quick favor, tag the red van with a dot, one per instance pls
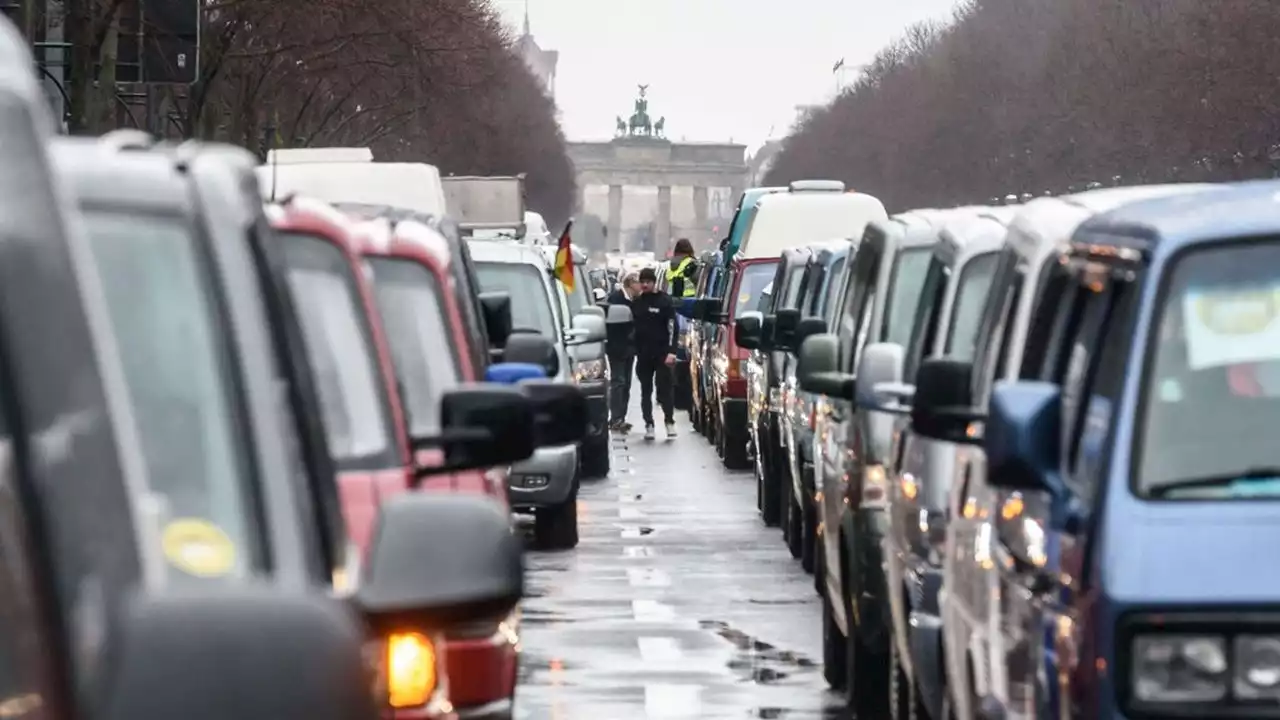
(373, 372)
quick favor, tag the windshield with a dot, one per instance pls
(165, 320)
(412, 307)
(341, 352)
(908, 280)
(1214, 378)
(966, 309)
(525, 283)
(754, 278)
(580, 296)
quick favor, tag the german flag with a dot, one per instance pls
(564, 258)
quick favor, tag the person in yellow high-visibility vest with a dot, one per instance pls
(682, 273)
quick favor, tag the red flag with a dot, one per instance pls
(564, 258)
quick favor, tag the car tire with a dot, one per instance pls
(595, 458)
(771, 509)
(793, 533)
(834, 655)
(867, 675)
(556, 528)
(808, 534)
(735, 454)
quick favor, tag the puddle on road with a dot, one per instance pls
(756, 660)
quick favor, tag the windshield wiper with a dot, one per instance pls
(1244, 476)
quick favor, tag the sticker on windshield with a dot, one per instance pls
(744, 297)
(1232, 327)
(198, 547)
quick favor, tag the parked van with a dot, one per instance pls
(980, 668)
(350, 175)
(810, 211)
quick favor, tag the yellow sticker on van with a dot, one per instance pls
(198, 547)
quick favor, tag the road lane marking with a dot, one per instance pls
(659, 650)
(648, 577)
(629, 514)
(637, 551)
(672, 701)
(652, 611)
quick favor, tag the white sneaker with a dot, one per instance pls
(671, 430)
(648, 432)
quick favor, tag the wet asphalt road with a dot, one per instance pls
(677, 602)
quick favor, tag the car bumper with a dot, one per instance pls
(544, 480)
(482, 674)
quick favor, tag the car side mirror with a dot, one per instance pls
(587, 328)
(301, 651)
(482, 425)
(746, 330)
(768, 326)
(1022, 436)
(942, 406)
(784, 329)
(439, 560)
(560, 415)
(512, 373)
(881, 365)
(807, 328)
(818, 367)
(534, 348)
(496, 307)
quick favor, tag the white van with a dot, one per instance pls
(350, 175)
(810, 211)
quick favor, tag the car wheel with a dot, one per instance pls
(833, 649)
(808, 534)
(794, 532)
(771, 508)
(867, 677)
(736, 456)
(556, 528)
(595, 457)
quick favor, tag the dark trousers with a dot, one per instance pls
(652, 370)
(621, 365)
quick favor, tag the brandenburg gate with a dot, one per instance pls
(641, 155)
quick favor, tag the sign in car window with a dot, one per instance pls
(1228, 326)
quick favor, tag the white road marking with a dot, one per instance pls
(652, 611)
(630, 514)
(637, 551)
(648, 577)
(660, 650)
(670, 701)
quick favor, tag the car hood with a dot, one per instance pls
(1192, 552)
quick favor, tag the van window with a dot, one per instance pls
(792, 297)
(1212, 386)
(335, 329)
(526, 284)
(411, 303)
(904, 293)
(924, 329)
(172, 344)
(835, 285)
(580, 296)
(753, 279)
(966, 310)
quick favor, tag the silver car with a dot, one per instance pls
(547, 483)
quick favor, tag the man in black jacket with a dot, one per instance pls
(656, 338)
(620, 346)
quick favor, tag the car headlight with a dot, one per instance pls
(1180, 668)
(1257, 667)
(590, 371)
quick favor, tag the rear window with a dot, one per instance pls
(340, 349)
(752, 281)
(165, 318)
(411, 303)
(526, 284)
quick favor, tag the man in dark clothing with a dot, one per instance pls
(656, 337)
(620, 346)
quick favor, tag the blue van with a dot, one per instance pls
(1150, 592)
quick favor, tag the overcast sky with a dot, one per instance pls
(716, 69)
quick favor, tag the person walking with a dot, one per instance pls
(620, 347)
(655, 330)
(682, 272)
